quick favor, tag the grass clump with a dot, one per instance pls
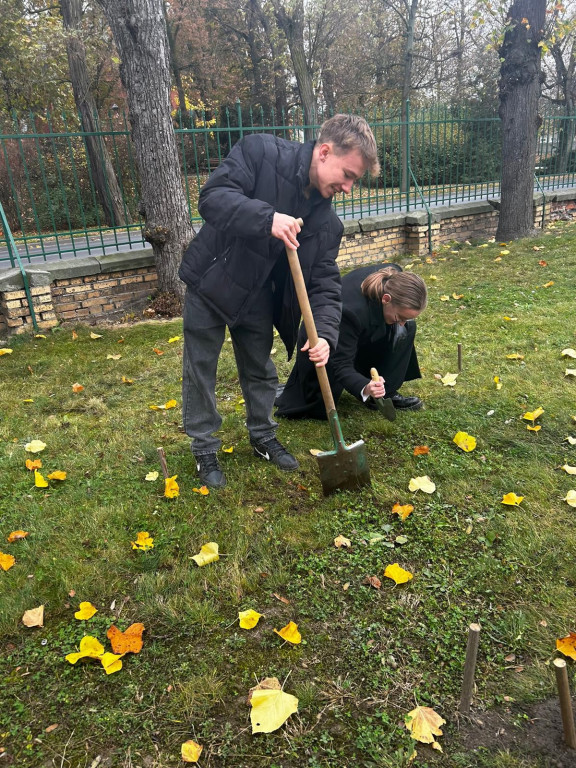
(368, 656)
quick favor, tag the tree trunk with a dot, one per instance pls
(520, 85)
(139, 30)
(280, 97)
(406, 90)
(293, 28)
(103, 175)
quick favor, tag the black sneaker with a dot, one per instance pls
(273, 450)
(209, 471)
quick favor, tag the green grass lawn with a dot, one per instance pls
(368, 656)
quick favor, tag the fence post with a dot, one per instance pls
(239, 113)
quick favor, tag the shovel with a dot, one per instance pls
(346, 467)
(384, 405)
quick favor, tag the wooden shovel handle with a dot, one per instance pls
(374, 374)
(309, 323)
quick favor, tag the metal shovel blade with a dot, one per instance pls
(346, 467)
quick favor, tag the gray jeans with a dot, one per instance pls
(204, 332)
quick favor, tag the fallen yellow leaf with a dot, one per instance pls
(85, 611)
(537, 428)
(190, 751)
(570, 498)
(57, 475)
(33, 464)
(450, 379)
(569, 470)
(533, 415)
(270, 709)
(6, 561)
(342, 541)
(571, 440)
(512, 500)
(151, 476)
(171, 488)
(34, 617)
(515, 356)
(402, 510)
(497, 382)
(173, 339)
(35, 446)
(423, 724)
(290, 633)
(111, 662)
(95, 335)
(465, 441)
(208, 554)
(397, 574)
(15, 535)
(39, 480)
(457, 296)
(422, 483)
(248, 619)
(113, 357)
(444, 298)
(570, 372)
(569, 352)
(548, 284)
(90, 648)
(228, 450)
(143, 541)
(203, 490)
(126, 380)
(5, 351)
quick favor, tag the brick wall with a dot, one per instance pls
(103, 296)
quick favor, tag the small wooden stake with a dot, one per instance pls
(565, 702)
(469, 668)
(162, 458)
(459, 357)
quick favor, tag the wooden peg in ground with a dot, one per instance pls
(162, 458)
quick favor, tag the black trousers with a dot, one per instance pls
(394, 357)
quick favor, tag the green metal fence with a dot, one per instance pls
(56, 209)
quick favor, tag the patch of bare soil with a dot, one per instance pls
(539, 736)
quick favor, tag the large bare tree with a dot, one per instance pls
(139, 31)
(520, 86)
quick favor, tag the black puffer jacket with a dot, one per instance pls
(234, 253)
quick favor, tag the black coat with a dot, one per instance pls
(365, 342)
(234, 254)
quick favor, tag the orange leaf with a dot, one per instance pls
(158, 351)
(421, 450)
(402, 510)
(6, 561)
(129, 641)
(567, 645)
(373, 581)
(33, 464)
(15, 535)
(77, 387)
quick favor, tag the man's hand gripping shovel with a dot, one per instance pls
(346, 467)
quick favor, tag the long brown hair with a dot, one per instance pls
(406, 289)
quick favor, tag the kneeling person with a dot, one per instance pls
(379, 306)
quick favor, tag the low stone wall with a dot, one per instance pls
(102, 288)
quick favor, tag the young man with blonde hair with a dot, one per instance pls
(237, 274)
